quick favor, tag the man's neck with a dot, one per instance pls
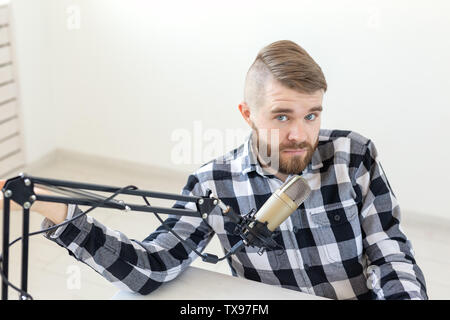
(282, 176)
(270, 170)
(264, 165)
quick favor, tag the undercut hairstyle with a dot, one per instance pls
(286, 62)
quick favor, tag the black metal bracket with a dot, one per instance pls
(20, 190)
(206, 204)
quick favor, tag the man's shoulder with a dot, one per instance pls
(357, 138)
(343, 146)
(228, 164)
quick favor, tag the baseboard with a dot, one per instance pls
(29, 168)
(61, 155)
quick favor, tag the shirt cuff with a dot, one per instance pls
(48, 223)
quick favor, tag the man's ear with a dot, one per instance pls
(245, 112)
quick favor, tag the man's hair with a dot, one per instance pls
(286, 62)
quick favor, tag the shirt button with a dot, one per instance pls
(337, 217)
(295, 229)
(306, 267)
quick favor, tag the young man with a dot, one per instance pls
(343, 242)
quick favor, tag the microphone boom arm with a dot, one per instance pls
(20, 189)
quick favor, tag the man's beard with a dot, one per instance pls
(282, 162)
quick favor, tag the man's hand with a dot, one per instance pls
(56, 212)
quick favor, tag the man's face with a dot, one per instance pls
(287, 123)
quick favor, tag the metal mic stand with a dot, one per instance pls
(20, 189)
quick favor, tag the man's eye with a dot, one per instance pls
(282, 118)
(311, 116)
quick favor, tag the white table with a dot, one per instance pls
(201, 284)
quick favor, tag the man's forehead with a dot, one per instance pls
(290, 102)
(276, 93)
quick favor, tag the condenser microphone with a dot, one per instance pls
(257, 229)
(285, 200)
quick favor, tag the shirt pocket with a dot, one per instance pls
(337, 231)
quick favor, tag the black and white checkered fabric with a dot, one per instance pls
(343, 242)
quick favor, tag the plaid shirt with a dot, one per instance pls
(343, 242)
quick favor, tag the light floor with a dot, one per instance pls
(53, 274)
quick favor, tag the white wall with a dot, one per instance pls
(30, 34)
(135, 71)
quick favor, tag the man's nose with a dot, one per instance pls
(297, 134)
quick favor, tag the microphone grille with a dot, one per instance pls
(297, 189)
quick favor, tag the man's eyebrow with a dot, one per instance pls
(285, 110)
(281, 110)
(316, 108)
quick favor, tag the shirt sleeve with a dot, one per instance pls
(132, 265)
(392, 271)
(46, 223)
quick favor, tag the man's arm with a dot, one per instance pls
(392, 270)
(137, 266)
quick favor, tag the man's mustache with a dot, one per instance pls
(303, 145)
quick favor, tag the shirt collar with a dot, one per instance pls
(250, 161)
